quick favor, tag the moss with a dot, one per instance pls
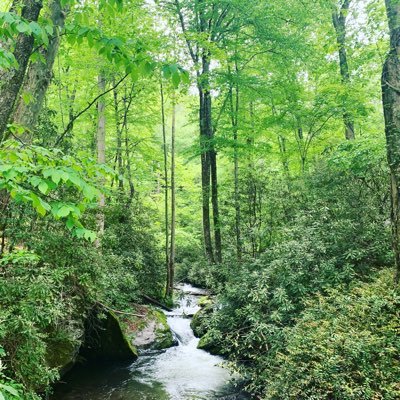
(62, 348)
(106, 340)
(61, 354)
(204, 301)
(152, 332)
(200, 320)
(209, 344)
(164, 337)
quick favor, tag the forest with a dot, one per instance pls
(241, 153)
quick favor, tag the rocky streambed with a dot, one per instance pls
(170, 365)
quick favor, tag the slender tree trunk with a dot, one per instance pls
(391, 108)
(129, 168)
(13, 80)
(205, 179)
(215, 205)
(39, 75)
(101, 148)
(339, 23)
(166, 217)
(171, 265)
(234, 103)
(211, 157)
(119, 128)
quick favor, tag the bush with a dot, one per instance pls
(345, 345)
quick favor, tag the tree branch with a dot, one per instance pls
(76, 116)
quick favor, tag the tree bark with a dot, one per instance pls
(39, 75)
(166, 217)
(118, 153)
(210, 160)
(171, 264)
(205, 175)
(391, 108)
(234, 105)
(339, 23)
(13, 80)
(101, 148)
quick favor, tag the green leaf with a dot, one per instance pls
(176, 79)
(23, 27)
(10, 389)
(40, 205)
(43, 187)
(36, 29)
(64, 211)
(90, 192)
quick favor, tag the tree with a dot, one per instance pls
(12, 82)
(391, 110)
(207, 23)
(171, 261)
(339, 15)
(40, 73)
(101, 146)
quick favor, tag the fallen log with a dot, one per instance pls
(156, 302)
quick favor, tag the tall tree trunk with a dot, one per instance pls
(171, 265)
(39, 74)
(211, 158)
(339, 23)
(166, 217)
(13, 80)
(101, 148)
(205, 178)
(391, 108)
(234, 105)
(119, 128)
(129, 168)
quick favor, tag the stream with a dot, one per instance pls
(182, 372)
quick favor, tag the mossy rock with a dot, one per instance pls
(210, 344)
(62, 354)
(154, 332)
(205, 301)
(106, 340)
(200, 320)
(62, 347)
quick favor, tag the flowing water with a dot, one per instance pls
(182, 372)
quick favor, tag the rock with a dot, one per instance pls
(153, 333)
(200, 320)
(106, 340)
(209, 344)
(62, 352)
(204, 301)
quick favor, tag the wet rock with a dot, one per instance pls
(63, 351)
(153, 332)
(106, 340)
(200, 320)
(210, 344)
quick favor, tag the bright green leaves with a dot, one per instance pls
(7, 389)
(47, 180)
(11, 25)
(176, 73)
(40, 205)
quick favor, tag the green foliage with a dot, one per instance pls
(34, 175)
(336, 234)
(11, 25)
(345, 345)
(132, 253)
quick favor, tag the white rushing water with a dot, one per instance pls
(182, 372)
